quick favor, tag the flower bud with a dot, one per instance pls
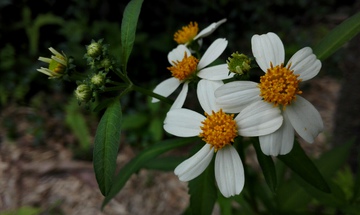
(98, 79)
(83, 93)
(94, 50)
(238, 63)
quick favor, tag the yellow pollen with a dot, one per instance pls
(187, 33)
(183, 70)
(219, 129)
(279, 85)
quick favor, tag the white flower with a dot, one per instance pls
(218, 130)
(185, 67)
(57, 64)
(279, 87)
(190, 33)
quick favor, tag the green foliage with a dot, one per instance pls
(128, 29)
(320, 183)
(301, 164)
(338, 37)
(106, 146)
(203, 192)
(78, 125)
(267, 166)
(141, 160)
(25, 210)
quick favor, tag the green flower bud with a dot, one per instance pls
(238, 63)
(106, 63)
(83, 93)
(98, 79)
(94, 50)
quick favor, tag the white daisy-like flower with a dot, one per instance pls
(279, 87)
(57, 64)
(219, 130)
(186, 66)
(190, 33)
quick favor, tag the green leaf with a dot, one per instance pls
(164, 163)
(291, 196)
(106, 146)
(203, 192)
(225, 205)
(76, 121)
(335, 199)
(140, 160)
(301, 164)
(338, 37)
(128, 29)
(332, 160)
(267, 166)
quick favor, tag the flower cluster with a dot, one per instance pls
(271, 109)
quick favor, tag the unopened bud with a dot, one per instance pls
(238, 63)
(83, 93)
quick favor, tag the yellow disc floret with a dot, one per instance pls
(279, 85)
(184, 69)
(219, 129)
(187, 33)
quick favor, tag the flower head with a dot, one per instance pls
(218, 130)
(238, 63)
(186, 68)
(187, 34)
(57, 64)
(280, 88)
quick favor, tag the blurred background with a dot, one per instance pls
(46, 137)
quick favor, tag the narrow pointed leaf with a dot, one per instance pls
(128, 29)
(267, 166)
(301, 164)
(203, 192)
(338, 37)
(141, 160)
(106, 146)
(164, 163)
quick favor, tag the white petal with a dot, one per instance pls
(45, 59)
(183, 122)
(267, 48)
(195, 165)
(206, 96)
(55, 52)
(235, 96)
(229, 171)
(178, 53)
(208, 30)
(279, 142)
(259, 118)
(179, 101)
(215, 73)
(212, 53)
(305, 63)
(305, 119)
(166, 87)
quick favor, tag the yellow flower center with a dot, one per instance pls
(187, 33)
(219, 129)
(56, 66)
(279, 85)
(184, 69)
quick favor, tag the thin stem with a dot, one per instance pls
(116, 88)
(152, 94)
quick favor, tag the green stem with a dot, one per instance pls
(152, 94)
(116, 88)
(77, 76)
